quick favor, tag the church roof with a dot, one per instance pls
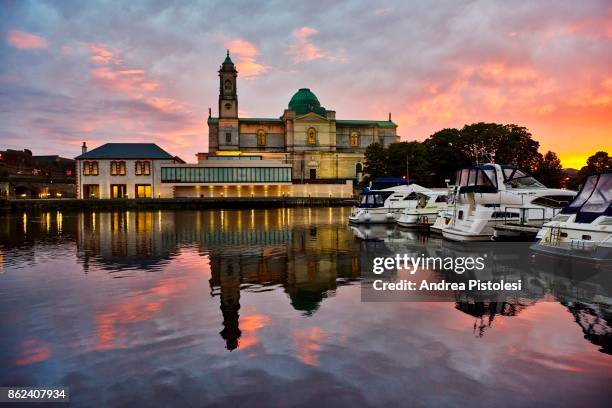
(304, 101)
(228, 60)
(127, 151)
(382, 123)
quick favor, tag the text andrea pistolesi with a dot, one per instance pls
(459, 265)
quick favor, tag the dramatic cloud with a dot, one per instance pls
(245, 61)
(148, 72)
(23, 40)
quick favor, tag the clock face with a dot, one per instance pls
(228, 106)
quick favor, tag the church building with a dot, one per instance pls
(319, 147)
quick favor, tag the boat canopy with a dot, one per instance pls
(515, 178)
(593, 200)
(477, 179)
(373, 198)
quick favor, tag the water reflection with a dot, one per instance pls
(153, 292)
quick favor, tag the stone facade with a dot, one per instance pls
(308, 136)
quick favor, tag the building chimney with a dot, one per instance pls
(84, 148)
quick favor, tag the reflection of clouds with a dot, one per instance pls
(249, 325)
(307, 343)
(32, 351)
(111, 324)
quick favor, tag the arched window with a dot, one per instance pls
(354, 139)
(261, 137)
(228, 85)
(312, 136)
(358, 170)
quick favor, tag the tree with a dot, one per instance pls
(409, 157)
(598, 163)
(549, 170)
(517, 147)
(444, 155)
(375, 163)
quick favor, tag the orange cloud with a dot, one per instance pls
(23, 40)
(246, 52)
(306, 343)
(249, 325)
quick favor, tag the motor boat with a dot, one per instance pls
(491, 194)
(385, 206)
(443, 218)
(429, 204)
(583, 229)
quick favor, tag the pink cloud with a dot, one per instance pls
(302, 49)
(111, 74)
(245, 53)
(23, 40)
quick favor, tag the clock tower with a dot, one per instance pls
(228, 98)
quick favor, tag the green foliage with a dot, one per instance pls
(549, 170)
(438, 157)
(375, 163)
(598, 163)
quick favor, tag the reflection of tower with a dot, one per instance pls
(230, 304)
(485, 312)
(595, 320)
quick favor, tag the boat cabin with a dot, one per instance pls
(593, 200)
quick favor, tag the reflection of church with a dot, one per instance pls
(307, 252)
(255, 249)
(307, 135)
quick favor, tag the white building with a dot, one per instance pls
(122, 170)
(144, 170)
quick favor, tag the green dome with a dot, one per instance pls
(304, 101)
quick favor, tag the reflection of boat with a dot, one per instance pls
(377, 232)
(491, 193)
(429, 204)
(583, 229)
(385, 206)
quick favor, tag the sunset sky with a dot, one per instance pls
(142, 71)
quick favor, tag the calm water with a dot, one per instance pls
(263, 308)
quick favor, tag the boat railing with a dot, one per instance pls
(525, 218)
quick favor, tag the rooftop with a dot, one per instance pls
(127, 151)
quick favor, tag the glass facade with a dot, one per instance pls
(226, 174)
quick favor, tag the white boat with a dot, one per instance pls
(491, 194)
(429, 204)
(443, 218)
(583, 229)
(385, 206)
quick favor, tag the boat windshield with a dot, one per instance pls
(515, 178)
(593, 200)
(480, 179)
(373, 199)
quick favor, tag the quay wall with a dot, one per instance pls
(24, 205)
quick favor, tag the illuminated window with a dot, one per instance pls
(143, 191)
(354, 139)
(90, 168)
(143, 168)
(117, 168)
(312, 136)
(261, 137)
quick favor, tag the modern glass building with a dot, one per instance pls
(226, 175)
